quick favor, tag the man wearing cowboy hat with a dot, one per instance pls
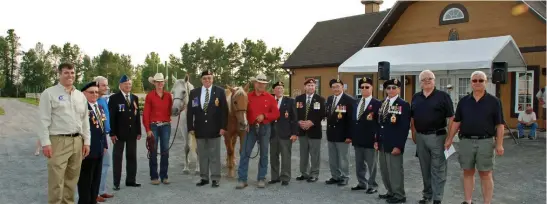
(125, 130)
(207, 117)
(261, 111)
(157, 122)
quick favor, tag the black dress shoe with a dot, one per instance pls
(202, 182)
(273, 181)
(133, 184)
(301, 178)
(284, 183)
(436, 202)
(343, 182)
(332, 181)
(116, 188)
(424, 200)
(396, 200)
(385, 196)
(312, 179)
(214, 184)
(371, 191)
(357, 188)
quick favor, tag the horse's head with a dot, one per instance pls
(238, 100)
(181, 91)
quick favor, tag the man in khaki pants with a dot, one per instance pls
(65, 126)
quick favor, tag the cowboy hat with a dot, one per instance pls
(157, 77)
(260, 78)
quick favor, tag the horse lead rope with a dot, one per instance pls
(257, 131)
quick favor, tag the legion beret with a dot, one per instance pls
(365, 80)
(333, 81)
(310, 80)
(89, 85)
(395, 82)
(206, 72)
(124, 79)
(279, 83)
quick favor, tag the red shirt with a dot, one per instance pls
(262, 104)
(157, 109)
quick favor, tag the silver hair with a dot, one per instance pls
(481, 73)
(427, 71)
(100, 78)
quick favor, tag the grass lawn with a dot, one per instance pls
(31, 101)
(2, 112)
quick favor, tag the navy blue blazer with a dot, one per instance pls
(394, 128)
(364, 130)
(98, 135)
(338, 129)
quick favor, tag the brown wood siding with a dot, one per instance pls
(420, 23)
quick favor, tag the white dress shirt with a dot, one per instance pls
(203, 92)
(279, 101)
(63, 113)
(367, 101)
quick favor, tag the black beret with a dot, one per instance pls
(206, 72)
(332, 81)
(279, 83)
(395, 82)
(310, 80)
(365, 80)
(89, 85)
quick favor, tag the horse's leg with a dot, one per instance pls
(186, 151)
(193, 148)
(228, 140)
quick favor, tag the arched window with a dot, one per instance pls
(452, 14)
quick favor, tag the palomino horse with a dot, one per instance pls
(237, 99)
(181, 91)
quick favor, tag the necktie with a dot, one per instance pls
(362, 109)
(308, 103)
(333, 105)
(384, 109)
(206, 102)
(98, 115)
(127, 100)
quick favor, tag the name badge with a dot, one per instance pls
(195, 102)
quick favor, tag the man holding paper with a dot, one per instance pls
(479, 119)
(430, 109)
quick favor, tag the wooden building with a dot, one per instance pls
(438, 35)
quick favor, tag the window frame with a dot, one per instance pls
(514, 90)
(517, 87)
(450, 7)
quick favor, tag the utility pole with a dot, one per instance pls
(167, 75)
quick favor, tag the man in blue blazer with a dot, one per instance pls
(90, 173)
(394, 123)
(363, 136)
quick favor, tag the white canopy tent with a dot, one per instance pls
(411, 59)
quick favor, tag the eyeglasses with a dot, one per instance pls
(427, 79)
(479, 80)
(391, 87)
(365, 87)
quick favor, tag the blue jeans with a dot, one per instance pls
(248, 144)
(161, 135)
(533, 128)
(106, 165)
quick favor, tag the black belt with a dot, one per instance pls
(69, 135)
(431, 132)
(476, 137)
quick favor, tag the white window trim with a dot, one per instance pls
(317, 86)
(446, 16)
(516, 90)
(357, 88)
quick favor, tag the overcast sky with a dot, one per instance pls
(138, 27)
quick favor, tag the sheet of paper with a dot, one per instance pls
(449, 151)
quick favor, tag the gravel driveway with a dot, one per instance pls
(519, 175)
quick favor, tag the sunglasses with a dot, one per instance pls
(391, 87)
(479, 80)
(365, 87)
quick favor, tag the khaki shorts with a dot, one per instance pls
(479, 154)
